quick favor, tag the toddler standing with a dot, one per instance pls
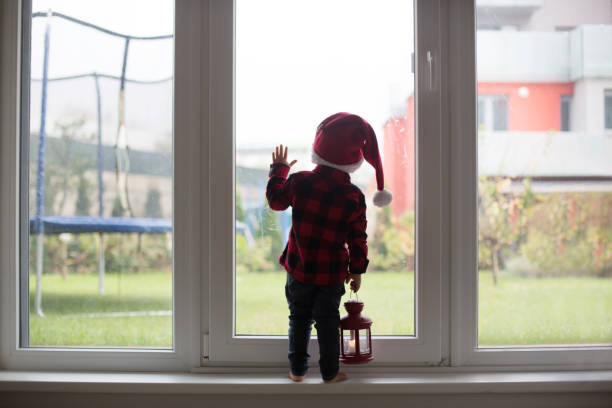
(327, 244)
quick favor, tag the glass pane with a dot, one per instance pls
(481, 114)
(545, 192)
(364, 344)
(358, 60)
(100, 175)
(350, 342)
(566, 106)
(608, 108)
(500, 113)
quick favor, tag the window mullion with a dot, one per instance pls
(429, 147)
(462, 119)
(10, 43)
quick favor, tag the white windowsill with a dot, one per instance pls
(408, 383)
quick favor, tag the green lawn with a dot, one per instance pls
(523, 311)
(388, 299)
(518, 311)
(68, 305)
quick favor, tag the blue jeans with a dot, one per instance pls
(308, 302)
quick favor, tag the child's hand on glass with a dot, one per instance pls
(281, 156)
(355, 281)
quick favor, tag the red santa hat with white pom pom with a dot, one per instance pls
(343, 141)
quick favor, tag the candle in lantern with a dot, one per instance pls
(352, 346)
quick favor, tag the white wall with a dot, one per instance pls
(590, 52)
(570, 13)
(520, 56)
(588, 105)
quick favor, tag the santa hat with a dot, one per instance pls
(343, 141)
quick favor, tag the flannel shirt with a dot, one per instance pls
(328, 232)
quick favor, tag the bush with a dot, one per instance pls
(153, 207)
(559, 234)
(134, 253)
(392, 247)
(124, 253)
(569, 234)
(254, 258)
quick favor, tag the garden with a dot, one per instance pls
(545, 277)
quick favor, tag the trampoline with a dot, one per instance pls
(41, 224)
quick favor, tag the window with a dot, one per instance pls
(608, 108)
(492, 112)
(532, 224)
(100, 126)
(566, 113)
(97, 271)
(268, 111)
(277, 113)
(476, 162)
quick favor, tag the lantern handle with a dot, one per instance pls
(351, 294)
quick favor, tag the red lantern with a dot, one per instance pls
(355, 334)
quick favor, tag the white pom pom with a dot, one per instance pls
(382, 198)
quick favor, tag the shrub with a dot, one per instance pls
(254, 258)
(570, 234)
(392, 247)
(124, 253)
(153, 207)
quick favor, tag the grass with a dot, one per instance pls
(67, 302)
(388, 300)
(543, 311)
(518, 311)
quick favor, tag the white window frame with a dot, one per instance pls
(464, 223)
(204, 218)
(190, 100)
(423, 349)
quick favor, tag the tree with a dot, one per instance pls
(64, 165)
(240, 215)
(83, 204)
(270, 230)
(153, 207)
(501, 219)
(118, 209)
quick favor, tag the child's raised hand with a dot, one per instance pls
(281, 156)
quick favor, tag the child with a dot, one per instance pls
(327, 242)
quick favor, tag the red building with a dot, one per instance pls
(544, 101)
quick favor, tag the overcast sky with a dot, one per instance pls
(296, 63)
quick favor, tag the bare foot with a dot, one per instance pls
(296, 378)
(341, 376)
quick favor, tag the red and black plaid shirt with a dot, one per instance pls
(328, 213)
